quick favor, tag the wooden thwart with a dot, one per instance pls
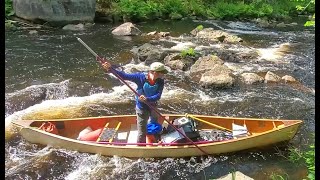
(109, 131)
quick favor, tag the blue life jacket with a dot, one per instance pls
(148, 90)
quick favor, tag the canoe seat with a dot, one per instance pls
(109, 131)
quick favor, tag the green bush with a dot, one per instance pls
(308, 157)
(195, 8)
(106, 3)
(223, 10)
(173, 7)
(189, 52)
(200, 27)
(137, 10)
(8, 8)
(265, 10)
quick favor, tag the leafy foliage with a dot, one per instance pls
(310, 23)
(138, 10)
(107, 3)
(296, 155)
(173, 7)
(303, 8)
(8, 8)
(189, 52)
(195, 7)
(200, 27)
(309, 158)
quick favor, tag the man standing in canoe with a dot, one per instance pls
(149, 88)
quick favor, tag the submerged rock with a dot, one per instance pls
(149, 53)
(160, 34)
(251, 78)
(73, 27)
(218, 36)
(289, 79)
(287, 47)
(281, 25)
(33, 32)
(271, 77)
(176, 61)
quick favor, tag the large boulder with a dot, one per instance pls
(203, 64)
(56, 12)
(220, 76)
(126, 29)
(149, 53)
(175, 61)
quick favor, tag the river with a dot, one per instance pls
(51, 75)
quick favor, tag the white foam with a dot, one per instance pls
(120, 94)
(183, 46)
(86, 168)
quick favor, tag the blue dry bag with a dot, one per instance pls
(154, 128)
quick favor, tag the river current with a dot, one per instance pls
(51, 75)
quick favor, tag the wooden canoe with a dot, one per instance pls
(262, 132)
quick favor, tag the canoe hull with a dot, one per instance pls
(159, 151)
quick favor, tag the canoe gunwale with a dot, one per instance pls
(165, 115)
(162, 145)
(275, 135)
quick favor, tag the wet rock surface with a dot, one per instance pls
(56, 12)
(126, 29)
(217, 58)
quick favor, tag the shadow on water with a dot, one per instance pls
(33, 61)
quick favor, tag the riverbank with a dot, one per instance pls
(116, 11)
(136, 11)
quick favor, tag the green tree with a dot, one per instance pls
(303, 8)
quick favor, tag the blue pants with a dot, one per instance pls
(143, 117)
